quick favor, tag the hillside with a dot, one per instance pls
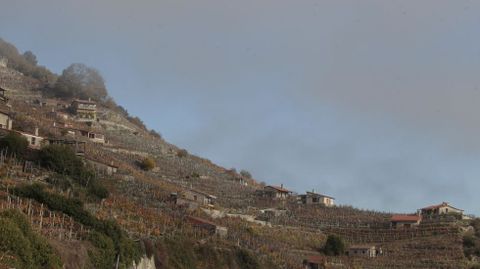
(87, 187)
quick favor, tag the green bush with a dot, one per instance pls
(125, 247)
(63, 160)
(103, 256)
(15, 144)
(17, 237)
(246, 260)
(182, 153)
(147, 164)
(334, 246)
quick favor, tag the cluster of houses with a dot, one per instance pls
(429, 212)
(83, 111)
(309, 198)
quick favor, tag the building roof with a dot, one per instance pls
(316, 259)
(84, 101)
(443, 204)
(406, 218)
(277, 188)
(197, 220)
(319, 195)
(365, 246)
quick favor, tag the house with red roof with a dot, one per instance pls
(405, 221)
(440, 209)
(315, 262)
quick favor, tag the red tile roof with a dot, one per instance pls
(406, 218)
(316, 259)
(443, 204)
(197, 220)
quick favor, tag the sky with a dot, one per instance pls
(373, 102)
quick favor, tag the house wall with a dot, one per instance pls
(33, 141)
(362, 252)
(5, 122)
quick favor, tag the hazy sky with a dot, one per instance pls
(373, 102)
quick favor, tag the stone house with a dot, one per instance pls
(187, 197)
(276, 192)
(35, 141)
(440, 209)
(85, 110)
(103, 167)
(312, 198)
(368, 251)
(207, 226)
(405, 221)
(315, 262)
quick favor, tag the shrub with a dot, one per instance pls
(147, 164)
(245, 173)
(182, 153)
(63, 160)
(247, 260)
(17, 236)
(125, 247)
(334, 246)
(15, 144)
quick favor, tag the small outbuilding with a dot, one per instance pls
(368, 251)
(405, 221)
(315, 262)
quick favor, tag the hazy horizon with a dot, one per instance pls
(371, 102)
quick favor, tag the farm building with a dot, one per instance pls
(405, 221)
(207, 226)
(314, 262)
(369, 251)
(276, 192)
(440, 209)
(312, 198)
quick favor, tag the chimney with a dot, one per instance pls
(36, 131)
(281, 185)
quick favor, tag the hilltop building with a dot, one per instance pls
(312, 198)
(405, 221)
(440, 209)
(85, 110)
